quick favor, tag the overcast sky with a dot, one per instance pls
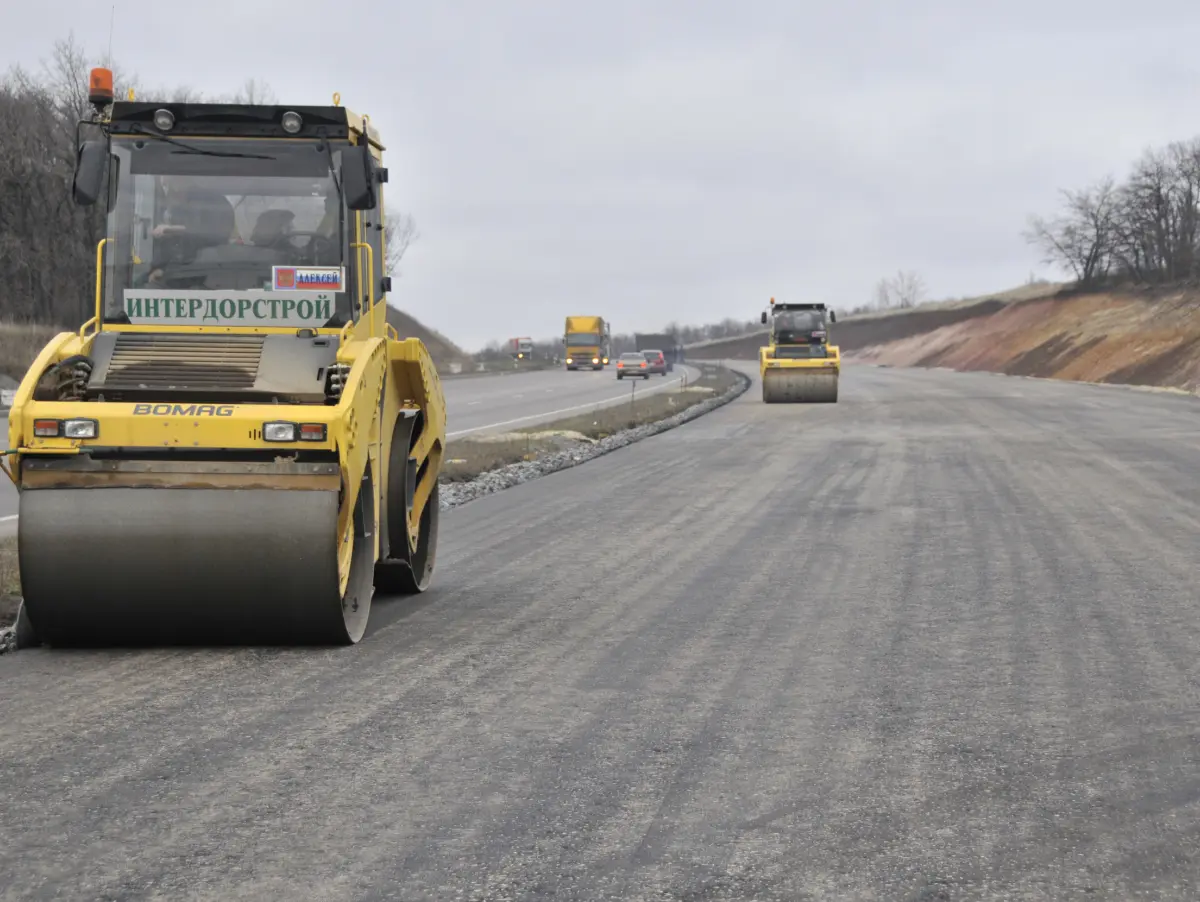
(687, 159)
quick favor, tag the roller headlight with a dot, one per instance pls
(292, 122)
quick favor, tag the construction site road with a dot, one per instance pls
(937, 641)
(480, 404)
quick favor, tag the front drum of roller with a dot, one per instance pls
(167, 566)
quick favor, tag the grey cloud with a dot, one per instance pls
(686, 160)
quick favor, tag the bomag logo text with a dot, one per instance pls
(183, 410)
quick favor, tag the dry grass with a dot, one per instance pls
(10, 582)
(467, 458)
(20, 343)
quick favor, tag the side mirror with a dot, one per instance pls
(832, 317)
(358, 177)
(764, 318)
(90, 163)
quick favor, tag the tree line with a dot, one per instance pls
(1143, 229)
(47, 243)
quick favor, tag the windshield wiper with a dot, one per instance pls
(337, 183)
(188, 148)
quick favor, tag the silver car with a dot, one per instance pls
(632, 364)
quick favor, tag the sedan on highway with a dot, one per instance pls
(656, 362)
(632, 364)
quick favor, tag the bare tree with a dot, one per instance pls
(883, 295)
(401, 232)
(47, 243)
(1146, 229)
(255, 92)
(908, 288)
(1084, 237)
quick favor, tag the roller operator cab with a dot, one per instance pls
(236, 448)
(799, 365)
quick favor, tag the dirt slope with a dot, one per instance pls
(1138, 338)
(867, 329)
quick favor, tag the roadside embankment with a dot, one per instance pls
(869, 329)
(1149, 338)
(1145, 337)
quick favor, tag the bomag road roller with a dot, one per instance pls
(798, 364)
(237, 448)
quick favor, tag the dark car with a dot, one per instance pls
(632, 364)
(656, 361)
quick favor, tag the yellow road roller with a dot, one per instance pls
(237, 448)
(798, 364)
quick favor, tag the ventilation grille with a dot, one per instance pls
(800, 351)
(179, 362)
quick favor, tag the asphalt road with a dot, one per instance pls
(935, 642)
(487, 404)
(481, 404)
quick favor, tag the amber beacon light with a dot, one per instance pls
(100, 87)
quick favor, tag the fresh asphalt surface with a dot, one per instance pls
(481, 404)
(935, 642)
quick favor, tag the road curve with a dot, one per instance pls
(488, 404)
(480, 404)
(937, 641)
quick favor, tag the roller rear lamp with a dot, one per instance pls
(76, 427)
(294, 432)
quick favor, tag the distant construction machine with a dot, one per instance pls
(236, 448)
(587, 342)
(799, 365)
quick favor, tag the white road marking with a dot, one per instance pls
(9, 517)
(553, 413)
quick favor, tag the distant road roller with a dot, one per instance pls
(798, 364)
(237, 448)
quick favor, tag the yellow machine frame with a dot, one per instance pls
(389, 379)
(812, 379)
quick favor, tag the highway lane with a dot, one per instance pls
(482, 404)
(937, 641)
(486, 404)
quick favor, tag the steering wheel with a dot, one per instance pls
(307, 251)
